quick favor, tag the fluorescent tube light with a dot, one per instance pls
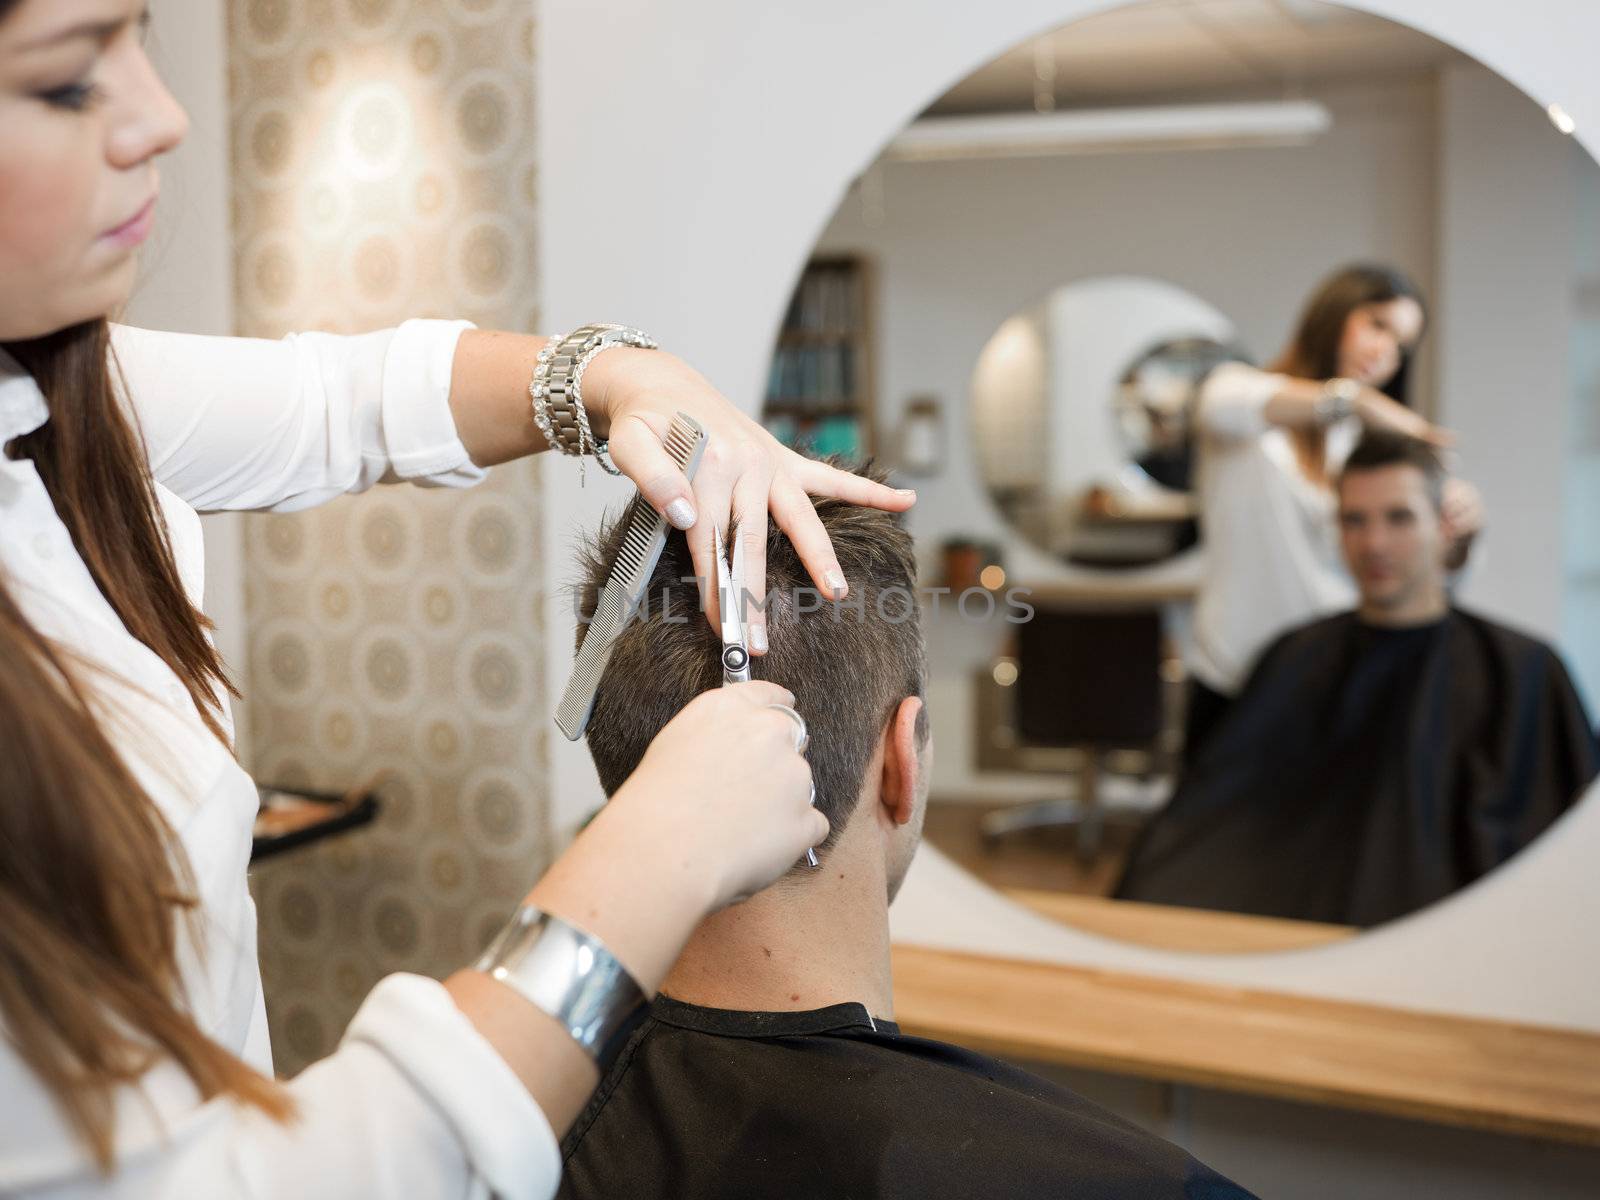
(1098, 131)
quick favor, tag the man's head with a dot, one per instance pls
(856, 669)
(1394, 538)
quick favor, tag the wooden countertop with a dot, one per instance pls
(1171, 928)
(1456, 1071)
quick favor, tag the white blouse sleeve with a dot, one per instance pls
(414, 1105)
(1233, 401)
(245, 423)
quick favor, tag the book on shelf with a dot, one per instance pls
(815, 381)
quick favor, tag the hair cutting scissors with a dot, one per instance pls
(730, 602)
(736, 638)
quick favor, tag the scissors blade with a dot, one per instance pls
(730, 595)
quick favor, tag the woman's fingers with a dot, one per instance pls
(1462, 508)
(744, 470)
(820, 479)
(762, 691)
(1390, 414)
(742, 824)
(713, 498)
(797, 517)
(639, 454)
(751, 495)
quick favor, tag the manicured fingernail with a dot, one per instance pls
(835, 582)
(681, 513)
(910, 492)
(758, 638)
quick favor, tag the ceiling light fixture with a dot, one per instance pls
(1099, 131)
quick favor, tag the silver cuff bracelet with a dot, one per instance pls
(570, 975)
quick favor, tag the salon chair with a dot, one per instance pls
(1087, 690)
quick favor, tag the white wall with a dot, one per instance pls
(186, 276)
(1507, 240)
(1582, 596)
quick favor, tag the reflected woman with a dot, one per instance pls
(1270, 442)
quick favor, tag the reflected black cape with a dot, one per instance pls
(1364, 773)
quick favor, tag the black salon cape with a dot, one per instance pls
(710, 1103)
(1364, 773)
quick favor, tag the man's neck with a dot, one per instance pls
(1428, 605)
(805, 943)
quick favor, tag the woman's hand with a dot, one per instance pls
(1461, 509)
(1461, 513)
(726, 788)
(1378, 411)
(719, 807)
(632, 395)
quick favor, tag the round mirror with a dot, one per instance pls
(1156, 400)
(1093, 303)
(1081, 413)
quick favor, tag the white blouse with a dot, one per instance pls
(415, 1103)
(1271, 536)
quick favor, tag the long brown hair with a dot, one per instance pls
(1313, 352)
(93, 881)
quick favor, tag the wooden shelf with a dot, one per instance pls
(802, 409)
(816, 337)
(825, 349)
(1512, 1079)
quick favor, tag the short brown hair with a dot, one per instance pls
(1382, 448)
(848, 665)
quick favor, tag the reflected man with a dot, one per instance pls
(1376, 760)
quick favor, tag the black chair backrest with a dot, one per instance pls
(1089, 678)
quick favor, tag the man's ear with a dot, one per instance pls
(902, 766)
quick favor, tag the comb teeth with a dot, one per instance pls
(640, 549)
(682, 438)
(625, 583)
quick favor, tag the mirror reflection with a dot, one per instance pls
(1081, 412)
(1259, 345)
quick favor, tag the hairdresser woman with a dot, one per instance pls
(1270, 445)
(134, 1060)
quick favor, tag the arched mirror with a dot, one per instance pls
(1027, 306)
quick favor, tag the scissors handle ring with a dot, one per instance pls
(802, 738)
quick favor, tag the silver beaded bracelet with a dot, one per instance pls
(557, 388)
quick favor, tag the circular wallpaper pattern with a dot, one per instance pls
(378, 268)
(487, 256)
(486, 113)
(385, 168)
(269, 275)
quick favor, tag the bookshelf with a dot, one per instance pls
(819, 385)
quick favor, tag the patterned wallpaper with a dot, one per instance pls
(384, 168)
